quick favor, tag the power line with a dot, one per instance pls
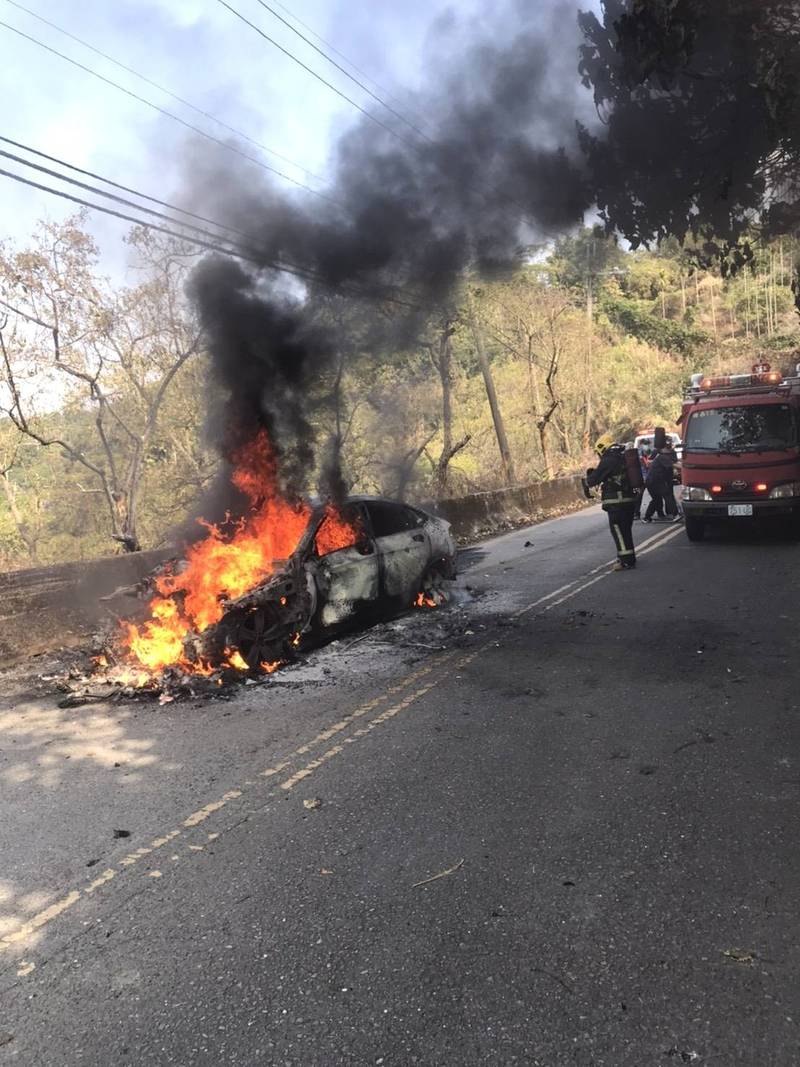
(341, 55)
(210, 242)
(108, 195)
(346, 73)
(117, 185)
(162, 89)
(210, 245)
(314, 73)
(163, 111)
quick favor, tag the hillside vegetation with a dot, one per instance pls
(102, 442)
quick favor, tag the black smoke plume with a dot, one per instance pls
(495, 169)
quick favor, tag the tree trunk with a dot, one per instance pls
(442, 355)
(124, 521)
(713, 307)
(491, 393)
(547, 461)
(536, 398)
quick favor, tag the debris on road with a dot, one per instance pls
(122, 833)
(686, 1057)
(312, 803)
(739, 955)
(441, 874)
(79, 700)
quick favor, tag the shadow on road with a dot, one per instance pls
(470, 557)
(749, 532)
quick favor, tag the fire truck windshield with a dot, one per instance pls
(744, 428)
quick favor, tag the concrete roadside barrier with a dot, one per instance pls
(474, 515)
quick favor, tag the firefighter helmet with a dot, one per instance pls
(603, 443)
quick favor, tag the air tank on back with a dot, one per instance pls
(633, 466)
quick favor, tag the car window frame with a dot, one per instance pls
(315, 527)
(400, 508)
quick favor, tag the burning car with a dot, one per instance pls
(371, 553)
(242, 598)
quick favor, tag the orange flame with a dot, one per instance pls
(426, 600)
(270, 668)
(334, 534)
(228, 563)
(236, 659)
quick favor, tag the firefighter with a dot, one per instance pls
(619, 498)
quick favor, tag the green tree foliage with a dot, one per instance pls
(635, 317)
(700, 100)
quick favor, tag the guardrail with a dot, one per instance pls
(59, 606)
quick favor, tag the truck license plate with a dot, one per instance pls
(740, 509)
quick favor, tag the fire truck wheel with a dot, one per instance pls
(695, 528)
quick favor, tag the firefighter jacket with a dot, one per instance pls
(612, 476)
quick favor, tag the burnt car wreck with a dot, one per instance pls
(395, 554)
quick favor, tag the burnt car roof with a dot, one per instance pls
(365, 498)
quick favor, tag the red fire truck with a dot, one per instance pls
(741, 449)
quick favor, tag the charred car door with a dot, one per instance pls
(346, 577)
(403, 545)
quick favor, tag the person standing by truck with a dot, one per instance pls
(618, 495)
(646, 455)
(660, 477)
(669, 460)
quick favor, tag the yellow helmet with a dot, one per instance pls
(602, 443)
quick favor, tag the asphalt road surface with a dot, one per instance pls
(556, 824)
